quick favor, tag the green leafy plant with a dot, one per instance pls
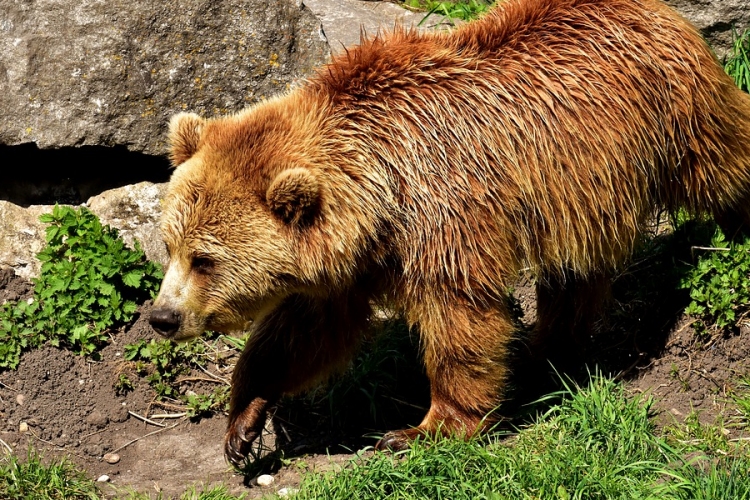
(89, 283)
(163, 362)
(719, 284)
(737, 63)
(123, 385)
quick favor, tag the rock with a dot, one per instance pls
(135, 211)
(343, 20)
(87, 72)
(20, 399)
(23, 427)
(285, 492)
(715, 19)
(111, 458)
(21, 238)
(97, 419)
(265, 480)
(102, 479)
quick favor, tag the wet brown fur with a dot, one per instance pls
(436, 166)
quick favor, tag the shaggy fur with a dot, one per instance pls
(430, 169)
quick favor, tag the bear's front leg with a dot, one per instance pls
(299, 344)
(466, 351)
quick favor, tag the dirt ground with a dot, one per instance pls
(68, 404)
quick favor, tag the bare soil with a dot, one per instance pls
(70, 407)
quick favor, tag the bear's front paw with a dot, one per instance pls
(398, 440)
(243, 430)
(238, 442)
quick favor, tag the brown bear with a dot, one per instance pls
(429, 169)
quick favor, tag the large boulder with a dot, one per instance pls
(716, 19)
(89, 72)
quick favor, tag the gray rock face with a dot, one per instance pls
(344, 20)
(716, 19)
(135, 210)
(94, 72)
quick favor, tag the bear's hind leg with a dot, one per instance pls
(465, 353)
(299, 344)
(734, 222)
(567, 308)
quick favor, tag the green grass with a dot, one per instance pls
(737, 63)
(32, 480)
(462, 10)
(595, 443)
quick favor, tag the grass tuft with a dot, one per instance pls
(32, 480)
(737, 62)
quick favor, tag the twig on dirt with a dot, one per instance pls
(215, 377)
(199, 379)
(169, 415)
(59, 448)
(44, 440)
(7, 387)
(674, 336)
(145, 436)
(148, 421)
(707, 377)
(93, 433)
(6, 446)
(164, 404)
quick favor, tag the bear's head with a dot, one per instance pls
(242, 204)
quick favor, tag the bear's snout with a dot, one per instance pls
(165, 321)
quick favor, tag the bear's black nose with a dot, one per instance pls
(165, 321)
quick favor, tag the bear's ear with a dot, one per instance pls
(184, 134)
(294, 195)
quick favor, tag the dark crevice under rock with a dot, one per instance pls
(71, 175)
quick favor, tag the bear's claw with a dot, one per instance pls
(237, 445)
(397, 440)
(243, 430)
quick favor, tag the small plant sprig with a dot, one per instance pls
(162, 362)
(89, 282)
(719, 285)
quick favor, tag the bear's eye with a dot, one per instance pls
(202, 264)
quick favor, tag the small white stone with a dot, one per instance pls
(81, 381)
(102, 479)
(285, 492)
(23, 427)
(20, 399)
(111, 458)
(265, 480)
